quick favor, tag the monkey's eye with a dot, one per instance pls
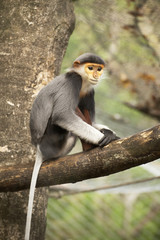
(99, 69)
(90, 68)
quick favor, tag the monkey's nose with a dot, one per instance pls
(95, 75)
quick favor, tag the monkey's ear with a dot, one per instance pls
(76, 63)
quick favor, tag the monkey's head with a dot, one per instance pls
(90, 67)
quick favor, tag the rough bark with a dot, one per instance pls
(117, 156)
(33, 39)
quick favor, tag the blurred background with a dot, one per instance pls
(126, 205)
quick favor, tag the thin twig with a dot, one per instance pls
(60, 191)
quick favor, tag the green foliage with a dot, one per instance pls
(134, 50)
(102, 216)
(123, 4)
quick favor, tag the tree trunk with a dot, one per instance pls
(34, 36)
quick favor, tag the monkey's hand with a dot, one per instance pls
(108, 137)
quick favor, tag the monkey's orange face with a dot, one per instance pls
(94, 72)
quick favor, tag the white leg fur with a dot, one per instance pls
(68, 146)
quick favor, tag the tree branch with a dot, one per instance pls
(120, 155)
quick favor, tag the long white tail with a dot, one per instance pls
(36, 169)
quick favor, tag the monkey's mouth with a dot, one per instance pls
(94, 81)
